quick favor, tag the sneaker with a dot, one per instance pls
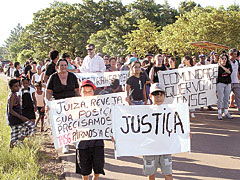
(220, 116)
(192, 115)
(228, 116)
(65, 149)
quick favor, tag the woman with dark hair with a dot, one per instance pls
(62, 84)
(224, 86)
(158, 67)
(136, 85)
(172, 63)
(186, 62)
(112, 62)
(32, 71)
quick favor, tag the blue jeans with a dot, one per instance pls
(137, 102)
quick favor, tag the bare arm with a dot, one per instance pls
(46, 77)
(128, 94)
(151, 74)
(77, 91)
(34, 99)
(48, 94)
(33, 79)
(144, 94)
(225, 69)
(13, 101)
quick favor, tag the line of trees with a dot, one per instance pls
(142, 26)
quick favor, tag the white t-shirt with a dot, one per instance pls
(37, 77)
(92, 65)
(234, 75)
(32, 90)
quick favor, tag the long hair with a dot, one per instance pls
(132, 65)
(220, 59)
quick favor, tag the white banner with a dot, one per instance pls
(194, 85)
(151, 130)
(104, 79)
(83, 118)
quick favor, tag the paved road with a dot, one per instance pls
(215, 154)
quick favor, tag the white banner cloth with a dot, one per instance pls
(151, 130)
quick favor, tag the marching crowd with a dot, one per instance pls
(35, 83)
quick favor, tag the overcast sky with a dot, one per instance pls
(13, 12)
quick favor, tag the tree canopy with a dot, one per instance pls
(141, 26)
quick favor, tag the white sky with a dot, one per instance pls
(13, 12)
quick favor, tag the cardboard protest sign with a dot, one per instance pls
(104, 79)
(194, 85)
(83, 118)
(151, 130)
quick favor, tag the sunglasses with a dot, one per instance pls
(90, 49)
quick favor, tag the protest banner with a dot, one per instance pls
(83, 118)
(151, 130)
(194, 85)
(104, 79)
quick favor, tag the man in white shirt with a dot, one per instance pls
(235, 76)
(92, 63)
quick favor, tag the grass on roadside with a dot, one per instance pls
(22, 162)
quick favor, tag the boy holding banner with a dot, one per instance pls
(89, 153)
(152, 162)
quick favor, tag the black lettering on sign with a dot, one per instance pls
(107, 132)
(147, 124)
(138, 124)
(127, 130)
(157, 120)
(169, 131)
(166, 79)
(202, 100)
(179, 123)
(60, 105)
(100, 133)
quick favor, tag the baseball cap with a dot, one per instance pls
(87, 82)
(132, 59)
(156, 87)
(201, 56)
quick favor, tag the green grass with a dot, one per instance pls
(22, 162)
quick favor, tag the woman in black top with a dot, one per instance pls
(136, 85)
(224, 86)
(158, 67)
(62, 84)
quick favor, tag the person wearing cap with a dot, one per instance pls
(90, 153)
(214, 59)
(92, 63)
(201, 60)
(152, 162)
(62, 84)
